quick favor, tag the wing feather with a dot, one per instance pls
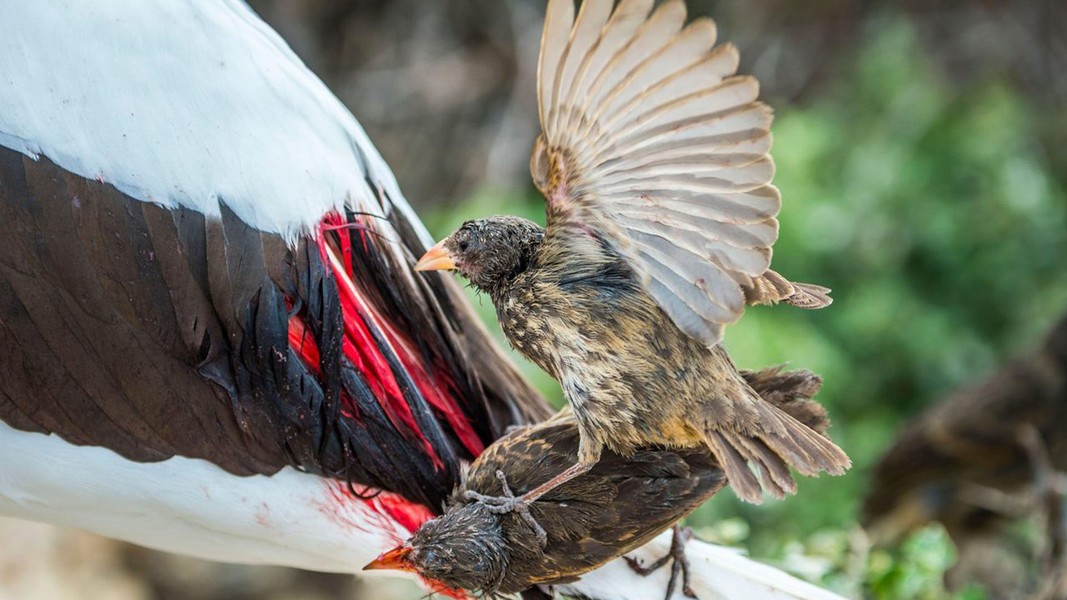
(640, 85)
(705, 73)
(650, 38)
(624, 21)
(590, 23)
(558, 22)
(651, 140)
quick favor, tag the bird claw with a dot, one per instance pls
(509, 502)
(679, 564)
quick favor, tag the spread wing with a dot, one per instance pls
(651, 141)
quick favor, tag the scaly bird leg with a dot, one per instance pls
(680, 563)
(521, 504)
(509, 503)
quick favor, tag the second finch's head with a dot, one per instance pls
(463, 549)
(488, 252)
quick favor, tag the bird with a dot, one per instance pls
(214, 341)
(654, 163)
(962, 461)
(206, 296)
(614, 508)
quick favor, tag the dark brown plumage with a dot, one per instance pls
(159, 332)
(654, 161)
(619, 505)
(943, 463)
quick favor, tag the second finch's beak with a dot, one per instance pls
(392, 559)
(436, 259)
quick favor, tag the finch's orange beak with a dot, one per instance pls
(436, 259)
(397, 559)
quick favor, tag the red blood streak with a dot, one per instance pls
(303, 344)
(369, 356)
(392, 507)
(438, 389)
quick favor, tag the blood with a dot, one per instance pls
(371, 342)
(369, 356)
(392, 507)
(437, 389)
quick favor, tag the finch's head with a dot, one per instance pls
(463, 549)
(488, 252)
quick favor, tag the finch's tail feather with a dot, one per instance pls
(772, 288)
(792, 391)
(809, 295)
(772, 442)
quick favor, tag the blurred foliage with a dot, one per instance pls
(915, 571)
(934, 213)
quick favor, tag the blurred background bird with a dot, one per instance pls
(654, 164)
(616, 507)
(920, 148)
(964, 464)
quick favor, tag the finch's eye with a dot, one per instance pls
(463, 245)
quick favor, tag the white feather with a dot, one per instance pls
(191, 506)
(183, 103)
(292, 518)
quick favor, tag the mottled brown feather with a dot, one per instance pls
(633, 378)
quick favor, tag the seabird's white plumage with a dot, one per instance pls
(191, 506)
(183, 103)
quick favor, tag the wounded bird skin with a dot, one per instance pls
(616, 507)
(654, 163)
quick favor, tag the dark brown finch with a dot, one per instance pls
(616, 507)
(654, 161)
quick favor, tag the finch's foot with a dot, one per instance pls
(510, 503)
(679, 563)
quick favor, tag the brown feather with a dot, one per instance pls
(570, 303)
(661, 215)
(614, 508)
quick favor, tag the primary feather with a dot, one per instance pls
(651, 141)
